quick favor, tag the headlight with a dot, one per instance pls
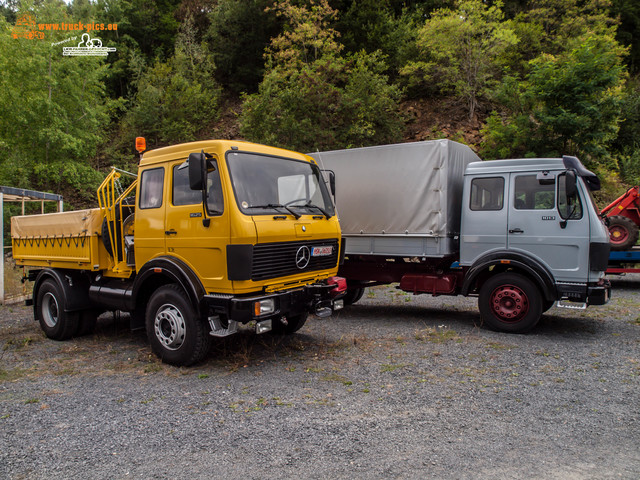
(264, 307)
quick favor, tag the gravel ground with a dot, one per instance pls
(396, 386)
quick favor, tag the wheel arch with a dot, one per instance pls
(71, 282)
(163, 271)
(500, 262)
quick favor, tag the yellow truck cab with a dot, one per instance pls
(209, 235)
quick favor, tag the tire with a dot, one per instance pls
(353, 295)
(54, 321)
(547, 304)
(175, 332)
(510, 302)
(294, 324)
(106, 239)
(623, 233)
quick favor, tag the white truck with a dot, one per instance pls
(518, 234)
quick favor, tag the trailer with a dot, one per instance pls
(624, 262)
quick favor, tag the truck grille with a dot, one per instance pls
(272, 260)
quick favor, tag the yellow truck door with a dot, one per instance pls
(198, 240)
(150, 215)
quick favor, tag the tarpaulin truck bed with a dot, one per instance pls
(59, 240)
(400, 200)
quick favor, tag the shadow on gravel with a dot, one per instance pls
(554, 325)
(625, 282)
(406, 317)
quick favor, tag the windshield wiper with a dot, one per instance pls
(322, 210)
(275, 206)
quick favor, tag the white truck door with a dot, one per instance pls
(484, 216)
(537, 228)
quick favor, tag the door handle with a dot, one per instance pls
(170, 232)
(516, 230)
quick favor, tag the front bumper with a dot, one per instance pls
(320, 299)
(600, 293)
(588, 294)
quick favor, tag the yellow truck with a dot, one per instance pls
(207, 236)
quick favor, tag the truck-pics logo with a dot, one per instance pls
(25, 27)
(88, 47)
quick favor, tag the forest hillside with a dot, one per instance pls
(512, 78)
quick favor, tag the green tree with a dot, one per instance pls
(240, 31)
(176, 99)
(461, 50)
(547, 26)
(568, 104)
(55, 110)
(373, 25)
(627, 144)
(314, 98)
(628, 13)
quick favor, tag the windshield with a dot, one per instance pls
(264, 184)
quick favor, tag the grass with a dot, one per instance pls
(436, 335)
(13, 286)
(12, 374)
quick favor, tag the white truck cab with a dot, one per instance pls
(539, 212)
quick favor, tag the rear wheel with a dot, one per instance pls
(175, 332)
(510, 302)
(294, 323)
(623, 233)
(54, 321)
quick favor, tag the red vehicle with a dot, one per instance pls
(623, 219)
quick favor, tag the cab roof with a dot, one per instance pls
(515, 165)
(182, 151)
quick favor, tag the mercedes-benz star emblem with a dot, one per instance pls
(303, 255)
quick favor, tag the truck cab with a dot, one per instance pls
(208, 235)
(536, 216)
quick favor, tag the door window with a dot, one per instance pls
(151, 186)
(530, 194)
(183, 195)
(487, 194)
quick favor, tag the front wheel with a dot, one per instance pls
(175, 332)
(54, 321)
(510, 302)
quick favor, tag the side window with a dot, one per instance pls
(529, 194)
(487, 193)
(181, 193)
(151, 186)
(569, 206)
(215, 199)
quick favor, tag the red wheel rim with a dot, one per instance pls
(618, 234)
(509, 303)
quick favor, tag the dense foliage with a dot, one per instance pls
(535, 78)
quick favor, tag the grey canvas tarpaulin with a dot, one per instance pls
(402, 199)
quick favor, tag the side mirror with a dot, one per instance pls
(572, 188)
(196, 170)
(332, 181)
